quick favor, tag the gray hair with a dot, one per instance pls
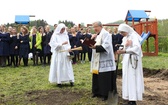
(98, 23)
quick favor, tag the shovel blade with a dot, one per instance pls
(113, 98)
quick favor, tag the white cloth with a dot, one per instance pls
(95, 62)
(132, 72)
(61, 67)
(106, 61)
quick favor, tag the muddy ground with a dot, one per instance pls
(156, 93)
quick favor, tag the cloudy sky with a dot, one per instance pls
(86, 11)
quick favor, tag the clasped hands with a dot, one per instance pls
(122, 51)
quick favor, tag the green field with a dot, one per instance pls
(15, 82)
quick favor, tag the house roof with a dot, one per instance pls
(22, 19)
(136, 15)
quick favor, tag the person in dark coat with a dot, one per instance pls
(24, 45)
(14, 47)
(79, 34)
(8, 57)
(0, 35)
(55, 26)
(46, 48)
(116, 39)
(84, 47)
(4, 47)
(89, 35)
(74, 41)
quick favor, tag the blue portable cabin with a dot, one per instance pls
(22, 19)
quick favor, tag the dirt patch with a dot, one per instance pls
(162, 74)
(156, 92)
(53, 97)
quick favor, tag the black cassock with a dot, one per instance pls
(104, 82)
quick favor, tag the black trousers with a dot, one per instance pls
(83, 56)
(45, 58)
(41, 58)
(2, 61)
(9, 60)
(103, 83)
(90, 55)
(14, 60)
(74, 59)
(25, 61)
(35, 58)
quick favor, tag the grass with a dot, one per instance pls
(18, 81)
(156, 62)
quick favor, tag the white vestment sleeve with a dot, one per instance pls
(54, 44)
(107, 42)
(133, 50)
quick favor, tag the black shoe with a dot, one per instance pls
(94, 95)
(59, 85)
(131, 103)
(72, 84)
(9, 65)
(105, 98)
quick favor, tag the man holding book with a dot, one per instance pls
(102, 63)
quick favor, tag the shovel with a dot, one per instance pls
(113, 96)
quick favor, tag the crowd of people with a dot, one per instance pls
(24, 44)
(57, 44)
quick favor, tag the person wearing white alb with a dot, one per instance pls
(61, 67)
(132, 72)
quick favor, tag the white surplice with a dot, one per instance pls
(61, 67)
(106, 61)
(132, 71)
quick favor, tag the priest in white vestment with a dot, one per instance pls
(61, 67)
(103, 63)
(132, 72)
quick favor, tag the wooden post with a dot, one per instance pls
(132, 22)
(147, 45)
(156, 39)
(146, 29)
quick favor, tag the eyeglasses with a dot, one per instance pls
(122, 32)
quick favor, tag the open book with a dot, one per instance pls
(89, 42)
